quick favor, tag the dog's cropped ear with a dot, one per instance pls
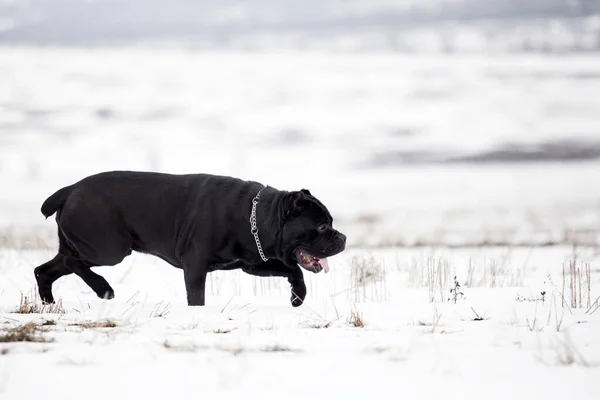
(293, 203)
(305, 191)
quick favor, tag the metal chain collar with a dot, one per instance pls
(254, 227)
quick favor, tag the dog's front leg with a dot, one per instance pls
(195, 283)
(296, 279)
(278, 268)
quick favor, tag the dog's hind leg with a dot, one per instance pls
(47, 273)
(98, 284)
(93, 238)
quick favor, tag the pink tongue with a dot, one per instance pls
(324, 264)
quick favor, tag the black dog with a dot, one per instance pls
(199, 223)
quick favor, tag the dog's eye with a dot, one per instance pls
(322, 227)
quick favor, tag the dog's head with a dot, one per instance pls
(307, 235)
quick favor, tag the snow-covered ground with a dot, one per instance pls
(449, 152)
(249, 342)
(404, 149)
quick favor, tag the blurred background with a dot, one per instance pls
(417, 122)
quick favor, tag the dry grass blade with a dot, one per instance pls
(532, 324)
(435, 321)
(160, 310)
(368, 277)
(186, 347)
(277, 348)
(223, 309)
(588, 279)
(33, 305)
(558, 321)
(107, 323)
(29, 332)
(594, 307)
(477, 316)
(579, 282)
(438, 278)
(366, 270)
(26, 306)
(319, 324)
(322, 323)
(355, 319)
(221, 331)
(566, 353)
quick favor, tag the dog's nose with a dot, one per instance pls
(341, 239)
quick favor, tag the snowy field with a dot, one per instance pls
(483, 167)
(404, 149)
(502, 339)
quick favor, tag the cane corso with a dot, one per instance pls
(199, 223)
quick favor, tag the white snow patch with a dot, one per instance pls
(248, 341)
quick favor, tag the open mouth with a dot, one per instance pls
(310, 262)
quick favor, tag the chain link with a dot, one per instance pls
(254, 227)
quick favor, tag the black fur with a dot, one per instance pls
(199, 223)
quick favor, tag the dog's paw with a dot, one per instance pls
(296, 301)
(298, 295)
(46, 295)
(107, 294)
(47, 298)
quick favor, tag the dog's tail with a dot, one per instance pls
(56, 201)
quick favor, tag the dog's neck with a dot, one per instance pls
(254, 225)
(267, 227)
